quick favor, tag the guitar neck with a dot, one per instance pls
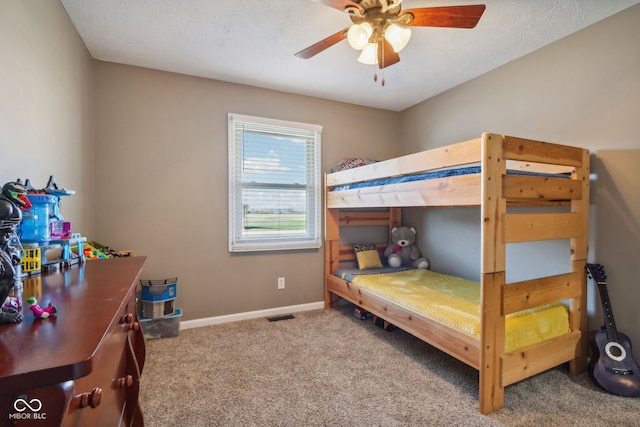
(609, 322)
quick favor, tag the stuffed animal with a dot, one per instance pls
(403, 251)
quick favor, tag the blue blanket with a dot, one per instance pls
(434, 175)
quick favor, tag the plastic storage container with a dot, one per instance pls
(35, 225)
(159, 290)
(163, 327)
(156, 309)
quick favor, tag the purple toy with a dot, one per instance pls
(39, 312)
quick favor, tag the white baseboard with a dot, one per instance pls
(216, 320)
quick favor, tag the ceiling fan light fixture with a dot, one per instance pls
(369, 54)
(358, 35)
(397, 36)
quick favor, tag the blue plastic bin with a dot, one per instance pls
(34, 227)
(159, 290)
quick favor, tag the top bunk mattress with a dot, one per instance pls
(443, 173)
(455, 302)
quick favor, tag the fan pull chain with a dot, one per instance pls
(375, 70)
(375, 76)
(383, 49)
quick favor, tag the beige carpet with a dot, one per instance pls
(328, 368)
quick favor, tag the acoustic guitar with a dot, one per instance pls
(612, 366)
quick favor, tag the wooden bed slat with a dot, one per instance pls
(539, 167)
(534, 293)
(540, 188)
(541, 152)
(450, 191)
(438, 158)
(369, 218)
(524, 363)
(347, 254)
(531, 227)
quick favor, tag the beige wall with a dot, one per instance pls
(583, 90)
(162, 161)
(46, 104)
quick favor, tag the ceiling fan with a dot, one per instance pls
(380, 30)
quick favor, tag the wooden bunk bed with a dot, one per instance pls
(492, 190)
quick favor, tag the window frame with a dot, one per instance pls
(312, 237)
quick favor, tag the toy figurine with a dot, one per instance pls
(12, 200)
(39, 312)
(9, 315)
(13, 302)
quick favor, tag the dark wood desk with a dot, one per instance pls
(83, 366)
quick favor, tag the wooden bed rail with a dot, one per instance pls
(464, 190)
(527, 150)
(534, 293)
(523, 154)
(462, 153)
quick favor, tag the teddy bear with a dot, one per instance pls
(403, 251)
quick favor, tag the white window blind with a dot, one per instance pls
(274, 184)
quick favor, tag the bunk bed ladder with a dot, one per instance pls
(500, 228)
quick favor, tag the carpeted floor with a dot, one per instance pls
(328, 368)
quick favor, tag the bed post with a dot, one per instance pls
(491, 390)
(331, 248)
(395, 219)
(579, 255)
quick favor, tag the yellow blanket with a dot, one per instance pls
(455, 302)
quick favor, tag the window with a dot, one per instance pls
(274, 184)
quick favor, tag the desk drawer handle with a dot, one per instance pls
(92, 398)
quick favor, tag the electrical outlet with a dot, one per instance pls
(280, 282)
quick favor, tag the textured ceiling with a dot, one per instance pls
(252, 42)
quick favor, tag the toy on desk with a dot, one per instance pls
(10, 311)
(13, 200)
(13, 302)
(48, 230)
(9, 315)
(51, 196)
(39, 312)
(91, 252)
(108, 252)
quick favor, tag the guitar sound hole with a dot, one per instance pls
(615, 351)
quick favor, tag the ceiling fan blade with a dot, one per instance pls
(322, 45)
(390, 57)
(340, 5)
(447, 16)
